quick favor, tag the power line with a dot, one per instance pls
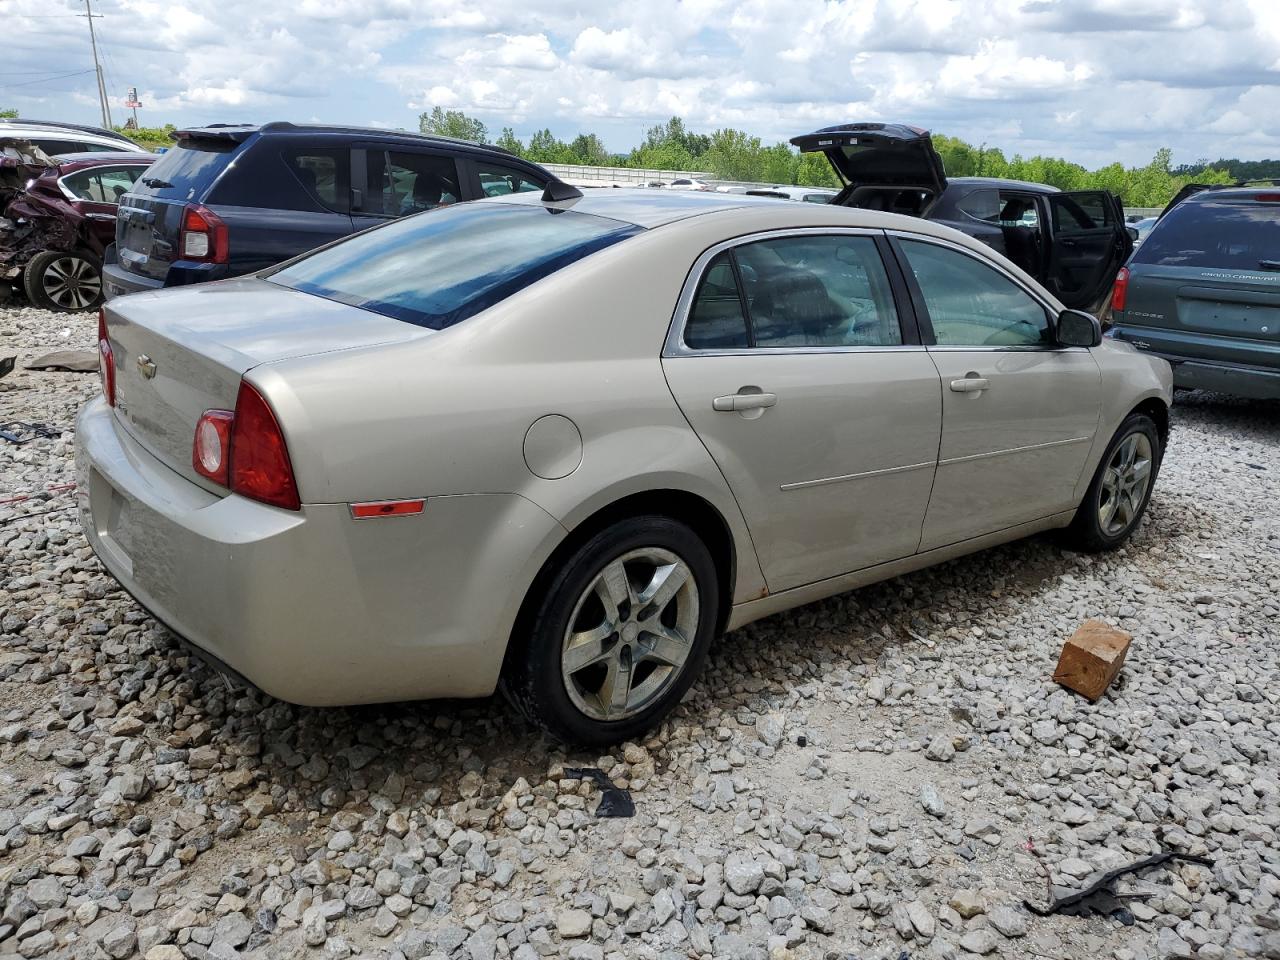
(28, 83)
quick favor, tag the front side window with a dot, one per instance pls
(498, 181)
(102, 184)
(439, 270)
(971, 304)
(1080, 212)
(403, 183)
(804, 291)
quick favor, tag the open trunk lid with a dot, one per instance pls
(880, 154)
(179, 353)
(149, 219)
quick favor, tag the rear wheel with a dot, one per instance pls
(618, 632)
(65, 282)
(1121, 487)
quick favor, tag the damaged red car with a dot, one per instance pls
(57, 214)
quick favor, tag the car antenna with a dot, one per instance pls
(559, 190)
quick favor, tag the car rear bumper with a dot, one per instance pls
(1255, 383)
(311, 606)
(1191, 371)
(117, 281)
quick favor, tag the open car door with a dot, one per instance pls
(1088, 244)
(884, 166)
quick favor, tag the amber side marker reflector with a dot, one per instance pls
(372, 509)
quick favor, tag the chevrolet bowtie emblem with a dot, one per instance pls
(146, 366)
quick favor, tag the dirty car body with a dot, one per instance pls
(519, 440)
(1072, 242)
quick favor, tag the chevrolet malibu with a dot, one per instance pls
(558, 443)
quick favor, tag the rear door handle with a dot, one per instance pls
(744, 401)
(969, 385)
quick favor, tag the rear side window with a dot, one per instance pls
(1227, 233)
(186, 171)
(981, 205)
(325, 174)
(102, 184)
(716, 320)
(497, 181)
(436, 271)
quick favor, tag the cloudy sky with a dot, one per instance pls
(1092, 80)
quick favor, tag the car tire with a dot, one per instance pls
(1117, 497)
(65, 282)
(594, 661)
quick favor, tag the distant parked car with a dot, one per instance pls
(1143, 227)
(232, 199)
(1203, 291)
(1073, 243)
(54, 231)
(56, 138)
(480, 448)
(803, 194)
(686, 183)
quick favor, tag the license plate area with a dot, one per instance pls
(112, 517)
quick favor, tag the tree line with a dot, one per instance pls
(729, 154)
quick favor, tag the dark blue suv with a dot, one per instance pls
(231, 199)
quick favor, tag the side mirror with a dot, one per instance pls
(1078, 329)
(1133, 233)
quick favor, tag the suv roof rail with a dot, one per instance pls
(285, 125)
(59, 125)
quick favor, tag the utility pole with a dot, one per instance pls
(102, 86)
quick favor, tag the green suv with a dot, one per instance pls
(1203, 291)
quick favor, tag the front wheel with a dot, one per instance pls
(618, 634)
(1121, 488)
(64, 282)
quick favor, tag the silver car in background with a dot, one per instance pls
(559, 445)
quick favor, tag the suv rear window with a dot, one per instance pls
(1228, 232)
(190, 165)
(440, 267)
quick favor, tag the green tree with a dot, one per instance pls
(588, 149)
(508, 141)
(453, 123)
(544, 147)
(9, 113)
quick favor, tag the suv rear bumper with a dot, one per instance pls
(1251, 380)
(117, 281)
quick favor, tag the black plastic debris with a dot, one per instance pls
(613, 802)
(19, 431)
(6, 365)
(1101, 899)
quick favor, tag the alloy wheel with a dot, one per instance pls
(1124, 484)
(72, 283)
(630, 634)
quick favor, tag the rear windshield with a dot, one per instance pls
(186, 170)
(1233, 233)
(442, 266)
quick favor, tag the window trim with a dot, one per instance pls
(908, 323)
(922, 309)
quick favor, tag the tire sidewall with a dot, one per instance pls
(33, 279)
(538, 686)
(1135, 423)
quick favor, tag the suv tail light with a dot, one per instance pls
(106, 360)
(1268, 198)
(204, 235)
(1120, 292)
(245, 451)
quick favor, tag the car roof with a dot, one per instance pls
(1234, 192)
(57, 126)
(241, 131)
(643, 206)
(68, 162)
(1002, 182)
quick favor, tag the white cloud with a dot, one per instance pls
(1094, 80)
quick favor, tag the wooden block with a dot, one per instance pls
(1091, 658)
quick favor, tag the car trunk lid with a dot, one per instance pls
(149, 219)
(177, 358)
(881, 154)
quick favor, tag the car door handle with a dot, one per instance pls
(744, 401)
(969, 385)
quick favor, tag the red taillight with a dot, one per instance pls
(204, 236)
(211, 451)
(260, 466)
(106, 360)
(1268, 198)
(245, 451)
(1120, 292)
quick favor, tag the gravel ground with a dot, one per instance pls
(883, 775)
